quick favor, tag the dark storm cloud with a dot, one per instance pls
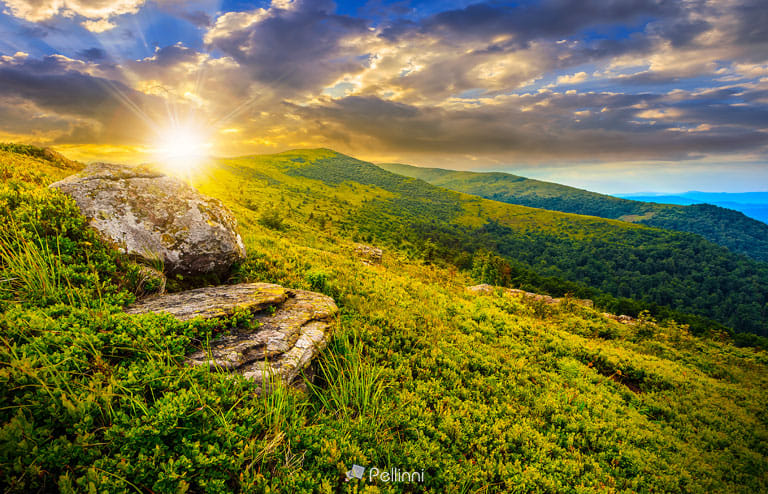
(197, 17)
(681, 33)
(93, 54)
(64, 92)
(752, 25)
(300, 47)
(745, 117)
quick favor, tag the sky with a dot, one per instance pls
(612, 96)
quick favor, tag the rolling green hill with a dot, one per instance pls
(485, 394)
(625, 267)
(722, 226)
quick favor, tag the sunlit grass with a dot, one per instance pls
(484, 392)
(352, 385)
(31, 269)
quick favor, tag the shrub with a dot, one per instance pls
(272, 219)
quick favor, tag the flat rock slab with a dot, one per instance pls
(293, 327)
(213, 302)
(294, 335)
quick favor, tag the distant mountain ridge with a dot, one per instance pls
(727, 227)
(708, 197)
(752, 204)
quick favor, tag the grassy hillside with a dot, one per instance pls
(613, 262)
(485, 394)
(726, 227)
(30, 164)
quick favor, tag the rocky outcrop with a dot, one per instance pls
(293, 327)
(156, 217)
(486, 289)
(369, 254)
(623, 319)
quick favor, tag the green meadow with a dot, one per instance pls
(484, 393)
(626, 268)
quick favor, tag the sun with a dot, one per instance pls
(182, 148)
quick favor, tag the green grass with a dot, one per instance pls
(485, 393)
(350, 384)
(31, 268)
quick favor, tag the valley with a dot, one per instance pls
(624, 267)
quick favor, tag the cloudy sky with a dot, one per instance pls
(610, 95)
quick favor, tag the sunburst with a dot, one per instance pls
(182, 148)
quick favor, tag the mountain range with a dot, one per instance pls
(752, 204)
(625, 266)
(729, 228)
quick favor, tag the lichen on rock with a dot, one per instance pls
(157, 218)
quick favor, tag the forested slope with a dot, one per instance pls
(722, 226)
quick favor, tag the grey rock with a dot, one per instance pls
(293, 327)
(623, 318)
(213, 302)
(300, 329)
(156, 217)
(483, 289)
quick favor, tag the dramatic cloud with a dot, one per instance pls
(548, 126)
(298, 45)
(524, 22)
(89, 108)
(490, 83)
(95, 12)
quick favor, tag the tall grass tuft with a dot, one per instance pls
(30, 269)
(279, 403)
(354, 386)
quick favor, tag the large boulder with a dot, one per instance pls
(293, 327)
(156, 217)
